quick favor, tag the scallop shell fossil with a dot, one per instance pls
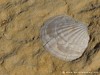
(64, 37)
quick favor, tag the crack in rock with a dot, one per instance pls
(90, 8)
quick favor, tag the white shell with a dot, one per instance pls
(64, 37)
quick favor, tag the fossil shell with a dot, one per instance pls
(64, 37)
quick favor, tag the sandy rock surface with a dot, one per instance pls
(21, 50)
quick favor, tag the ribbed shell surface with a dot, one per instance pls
(64, 37)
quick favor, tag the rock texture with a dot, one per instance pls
(21, 50)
